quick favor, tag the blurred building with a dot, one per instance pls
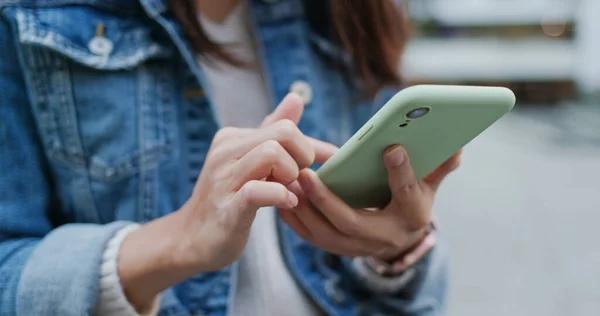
(521, 213)
(545, 50)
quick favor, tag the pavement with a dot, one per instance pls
(522, 216)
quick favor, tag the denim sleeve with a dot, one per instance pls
(423, 294)
(43, 270)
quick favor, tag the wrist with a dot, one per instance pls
(392, 255)
(404, 259)
(148, 261)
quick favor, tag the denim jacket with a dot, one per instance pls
(95, 137)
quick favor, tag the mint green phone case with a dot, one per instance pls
(457, 114)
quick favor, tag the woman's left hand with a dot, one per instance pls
(326, 221)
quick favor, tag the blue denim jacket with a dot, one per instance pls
(93, 140)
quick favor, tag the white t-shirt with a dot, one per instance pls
(265, 286)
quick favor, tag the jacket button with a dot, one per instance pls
(100, 46)
(303, 89)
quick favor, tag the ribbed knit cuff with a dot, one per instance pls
(377, 283)
(112, 300)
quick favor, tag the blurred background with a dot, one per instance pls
(522, 214)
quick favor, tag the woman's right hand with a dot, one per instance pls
(232, 186)
(245, 169)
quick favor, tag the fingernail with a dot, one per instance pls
(292, 199)
(304, 183)
(294, 94)
(395, 157)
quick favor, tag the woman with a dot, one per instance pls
(116, 113)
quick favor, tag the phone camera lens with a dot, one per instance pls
(417, 113)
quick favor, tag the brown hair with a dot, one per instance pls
(373, 32)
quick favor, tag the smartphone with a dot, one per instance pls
(431, 121)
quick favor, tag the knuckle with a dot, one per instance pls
(291, 174)
(418, 221)
(246, 191)
(455, 165)
(221, 175)
(422, 219)
(224, 133)
(404, 194)
(287, 129)
(217, 153)
(409, 187)
(220, 152)
(271, 150)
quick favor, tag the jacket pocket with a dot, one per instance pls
(100, 88)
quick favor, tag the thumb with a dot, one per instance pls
(401, 176)
(406, 192)
(290, 108)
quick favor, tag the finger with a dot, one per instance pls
(324, 235)
(320, 224)
(287, 134)
(296, 188)
(385, 227)
(425, 246)
(407, 197)
(267, 160)
(289, 217)
(256, 194)
(438, 175)
(380, 226)
(227, 133)
(401, 177)
(323, 150)
(345, 219)
(290, 108)
(342, 216)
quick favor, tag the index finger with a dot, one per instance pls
(323, 150)
(435, 178)
(290, 108)
(352, 222)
